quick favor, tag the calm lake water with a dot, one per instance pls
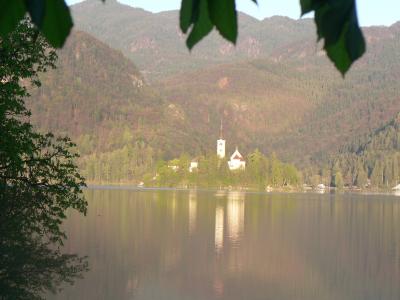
(214, 245)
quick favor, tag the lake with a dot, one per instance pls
(168, 244)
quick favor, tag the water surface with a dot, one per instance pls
(230, 245)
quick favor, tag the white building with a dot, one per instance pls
(194, 165)
(396, 188)
(221, 145)
(237, 161)
(221, 148)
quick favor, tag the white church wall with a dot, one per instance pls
(221, 148)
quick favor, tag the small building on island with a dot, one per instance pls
(194, 165)
(237, 161)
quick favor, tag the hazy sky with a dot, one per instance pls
(370, 12)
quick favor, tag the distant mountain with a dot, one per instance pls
(155, 43)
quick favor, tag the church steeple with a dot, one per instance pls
(221, 143)
(220, 131)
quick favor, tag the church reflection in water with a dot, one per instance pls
(229, 226)
(192, 211)
(219, 228)
(234, 210)
(232, 245)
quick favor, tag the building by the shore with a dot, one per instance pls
(236, 161)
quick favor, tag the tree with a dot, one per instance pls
(336, 22)
(256, 168)
(224, 174)
(275, 172)
(291, 175)
(362, 178)
(395, 169)
(338, 180)
(325, 175)
(183, 166)
(38, 178)
(377, 174)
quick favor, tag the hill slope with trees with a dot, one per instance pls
(291, 101)
(304, 112)
(374, 160)
(100, 99)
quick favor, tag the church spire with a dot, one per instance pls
(220, 130)
(221, 144)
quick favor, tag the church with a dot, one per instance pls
(236, 161)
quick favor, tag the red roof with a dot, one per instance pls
(237, 156)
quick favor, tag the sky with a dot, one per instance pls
(370, 12)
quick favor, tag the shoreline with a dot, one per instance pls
(126, 186)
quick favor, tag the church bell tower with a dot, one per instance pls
(221, 144)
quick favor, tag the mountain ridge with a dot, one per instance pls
(155, 42)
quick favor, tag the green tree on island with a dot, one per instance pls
(213, 172)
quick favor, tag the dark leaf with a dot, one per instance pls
(11, 12)
(223, 15)
(310, 5)
(186, 14)
(337, 24)
(36, 9)
(201, 24)
(57, 22)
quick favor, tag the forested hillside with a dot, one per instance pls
(123, 126)
(275, 90)
(303, 112)
(100, 99)
(277, 93)
(375, 157)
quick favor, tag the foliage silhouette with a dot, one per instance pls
(31, 268)
(38, 178)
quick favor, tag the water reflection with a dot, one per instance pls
(219, 229)
(31, 268)
(196, 245)
(220, 193)
(235, 209)
(192, 211)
